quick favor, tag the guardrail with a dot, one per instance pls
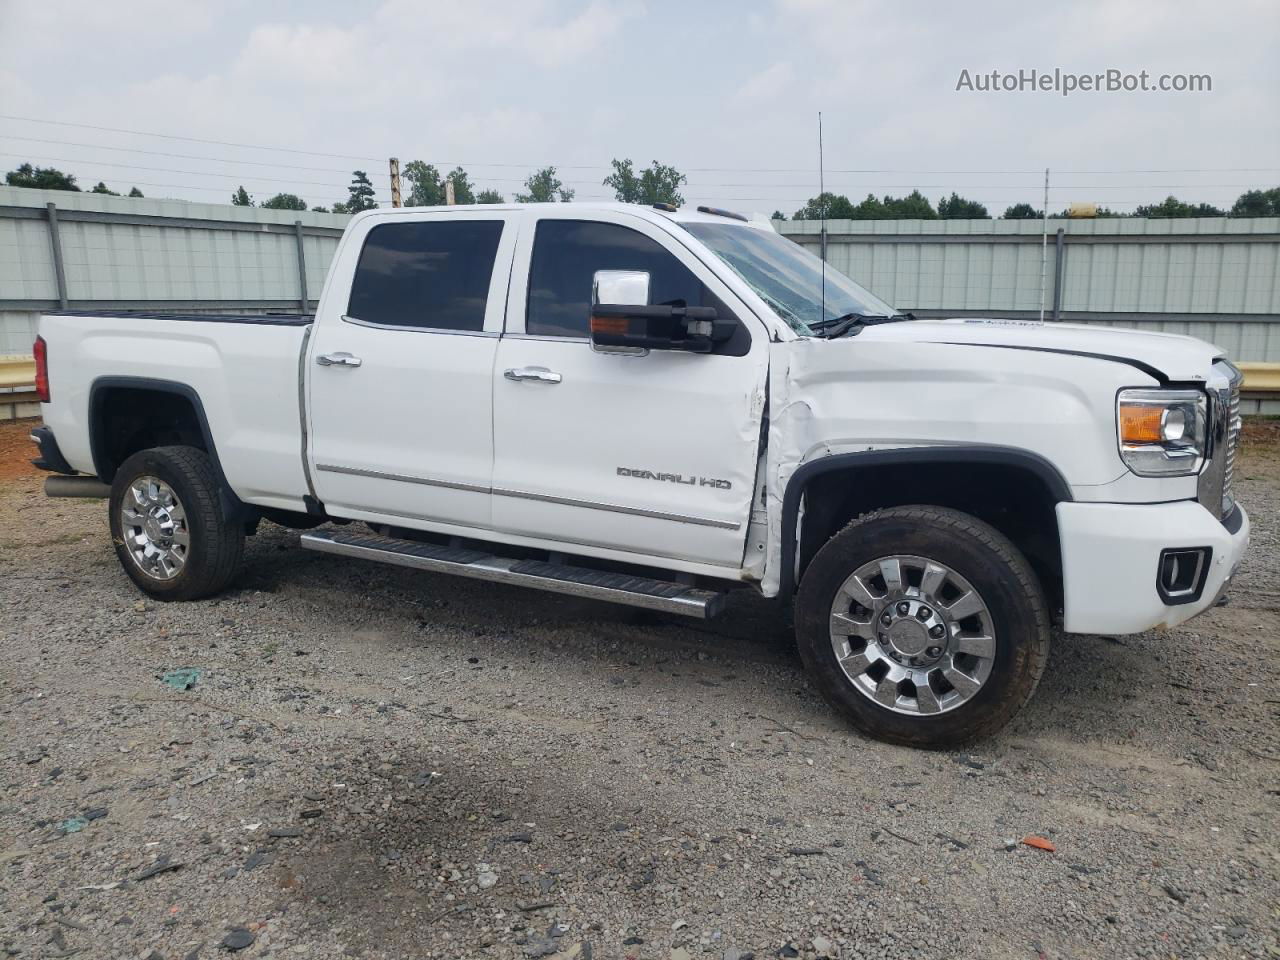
(18, 375)
(17, 371)
(1260, 377)
(17, 387)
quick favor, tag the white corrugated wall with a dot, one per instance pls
(1217, 278)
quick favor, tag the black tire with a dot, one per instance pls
(216, 547)
(976, 551)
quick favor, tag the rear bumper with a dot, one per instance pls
(1111, 558)
(50, 457)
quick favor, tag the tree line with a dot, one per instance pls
(49, 178)
(661, 183)
(916, 206)
(428, 187)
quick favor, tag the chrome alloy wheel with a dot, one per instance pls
(912, 635)
(153, 524)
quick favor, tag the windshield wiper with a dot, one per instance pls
(852, 323)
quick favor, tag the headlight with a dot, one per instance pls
(1162, 432)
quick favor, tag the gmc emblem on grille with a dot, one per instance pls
(680, 478)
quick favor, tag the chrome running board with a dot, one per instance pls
(662, 595)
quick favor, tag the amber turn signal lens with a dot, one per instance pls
(609, 325)
(1141, 423)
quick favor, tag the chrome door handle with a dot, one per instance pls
(338, 360)
(540, 374)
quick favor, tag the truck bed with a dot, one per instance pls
(241, 372)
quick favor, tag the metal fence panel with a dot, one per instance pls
(1214, 277)
(26, 261)
(162, 255)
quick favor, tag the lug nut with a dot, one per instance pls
(904, 608)
(924, 613)
(887, 619)
(936, 631)
(934, 651)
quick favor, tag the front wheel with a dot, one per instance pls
(923, 625)
(168, 526)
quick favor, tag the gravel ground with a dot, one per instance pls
(379, 763)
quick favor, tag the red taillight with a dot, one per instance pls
(41, 352)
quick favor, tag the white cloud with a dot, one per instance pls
(767, 86)
(580, 37)
(572, 82)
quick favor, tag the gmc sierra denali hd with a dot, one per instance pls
(654, 406)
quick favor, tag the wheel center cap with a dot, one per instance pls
(909, 637)
(153, 528)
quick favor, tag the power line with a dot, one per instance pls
(974, 186)
(225, 189)
(800, 201)
(950, 185)
(854, 170)
(1179, 170)
(796, 200)
(188, 156)
(793, 200)
(515, 180)
(534, 166)
(199, 173)
(170, 136)
(696, 188)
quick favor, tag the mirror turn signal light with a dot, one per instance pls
(616, 325)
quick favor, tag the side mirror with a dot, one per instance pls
(623, 320)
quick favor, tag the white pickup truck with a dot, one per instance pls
(654, 406)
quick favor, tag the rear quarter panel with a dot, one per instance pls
(246, 376)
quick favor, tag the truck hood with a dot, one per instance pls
(1165, 356)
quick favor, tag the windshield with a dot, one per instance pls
(787, 276)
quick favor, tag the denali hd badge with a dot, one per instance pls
(675, 478)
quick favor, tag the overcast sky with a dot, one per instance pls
(726, 91)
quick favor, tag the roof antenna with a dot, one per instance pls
(822, 200)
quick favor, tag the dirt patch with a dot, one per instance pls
(1261, 431)
(382, 764)
(16, 448)
(1260, 441)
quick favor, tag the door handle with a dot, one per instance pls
(540, 374)
(338, 360)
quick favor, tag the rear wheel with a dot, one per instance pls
(168, 525)
(923, 625)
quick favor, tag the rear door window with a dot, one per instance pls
(426, 274)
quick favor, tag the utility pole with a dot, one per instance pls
(822, 199)
(1044, 241)
(395, 182)
(448, 192)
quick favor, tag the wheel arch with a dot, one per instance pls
(867, 467)
(108, 394)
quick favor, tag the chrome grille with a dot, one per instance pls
(1214, 486)
(1232, 442)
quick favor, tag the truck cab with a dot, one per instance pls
(657, 406)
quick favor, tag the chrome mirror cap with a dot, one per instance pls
(627, 287)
